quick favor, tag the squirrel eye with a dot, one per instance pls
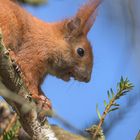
(81, 52)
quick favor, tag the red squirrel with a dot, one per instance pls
(60, 49)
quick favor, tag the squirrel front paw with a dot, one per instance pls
(44, 106)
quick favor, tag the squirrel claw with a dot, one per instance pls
(46, 101)
(43, 105)
(43, 102)
(13, 59)
(16, 67)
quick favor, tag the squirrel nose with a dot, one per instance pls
(86, 79)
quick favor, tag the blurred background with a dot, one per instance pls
(115, 38)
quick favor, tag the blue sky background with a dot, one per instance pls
(116, 53)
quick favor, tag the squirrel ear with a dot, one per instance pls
(73, 26)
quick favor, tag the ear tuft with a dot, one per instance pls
(90, 23)
(87, 14)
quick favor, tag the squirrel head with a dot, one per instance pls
(73, 57)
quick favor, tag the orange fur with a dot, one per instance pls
(48, 48)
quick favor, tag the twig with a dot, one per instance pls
(6, 93)
(103, 117)
(11, 123)
(122, 88)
